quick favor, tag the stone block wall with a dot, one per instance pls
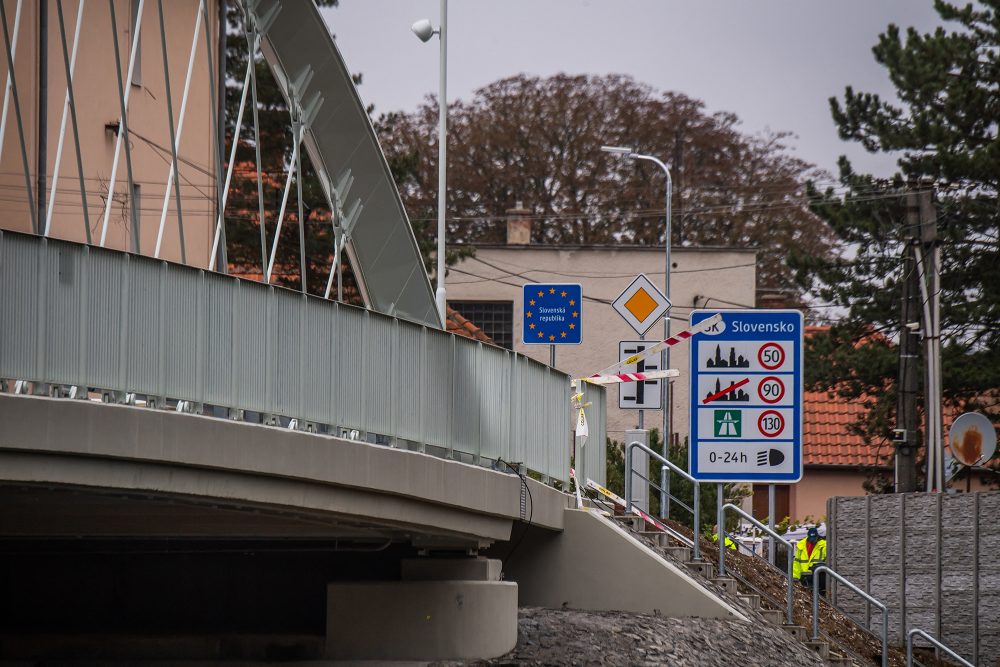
(933, 559)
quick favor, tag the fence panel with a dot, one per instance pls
(19, 307)
(351, 372)
(469, 397)
(407, 381)
(72, 314)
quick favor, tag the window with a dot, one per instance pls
(495, 318)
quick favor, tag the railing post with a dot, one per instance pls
(720, 519)
(628, 475)
(791, 582)
(815, 574)
(697, 520)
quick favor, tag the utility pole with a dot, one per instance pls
(929, 263)
(906, 435)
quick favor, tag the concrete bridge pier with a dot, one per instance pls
(441, 609)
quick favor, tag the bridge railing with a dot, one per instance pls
(107, 321)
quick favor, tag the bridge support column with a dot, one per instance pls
(444, 609)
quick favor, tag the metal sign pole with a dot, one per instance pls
(770, 522)
(552, 356)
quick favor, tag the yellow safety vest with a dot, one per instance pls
(729, 543)
(804, 562)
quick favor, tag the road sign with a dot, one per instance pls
(746, 397)
(552, 314)
(644, 394)
(972, 438)
(641, 304)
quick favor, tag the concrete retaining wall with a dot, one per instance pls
(932, 558)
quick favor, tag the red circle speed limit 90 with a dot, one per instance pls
(771, 389)
(771, 423)
(771, 356)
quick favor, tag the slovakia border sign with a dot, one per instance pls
(746, 397)
(552, 314)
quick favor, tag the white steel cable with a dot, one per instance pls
(281, 213)
(180, 127)
(6, 91)
(232, 163)
(122, 121)
(62, 124)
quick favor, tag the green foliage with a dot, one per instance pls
(945, 131)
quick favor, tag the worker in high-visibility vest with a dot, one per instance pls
(809, 553)
(715, 538)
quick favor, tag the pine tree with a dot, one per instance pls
(944, 128)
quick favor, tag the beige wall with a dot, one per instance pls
(699, 278)
(808, 497)
(96, 95)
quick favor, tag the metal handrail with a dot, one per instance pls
(918, 631)
(885, 612)
(696, 518)
(776, 536)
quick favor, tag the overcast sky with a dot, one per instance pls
(772, 62)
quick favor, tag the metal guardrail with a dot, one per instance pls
(909, 647)
(778, 538)
(103, 320)
(823, 569)
(670, 467)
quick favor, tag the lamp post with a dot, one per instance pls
(665, 397)
(424, 31)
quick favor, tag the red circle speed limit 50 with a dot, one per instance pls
(771, 389)
(771, 423)
(771, 356)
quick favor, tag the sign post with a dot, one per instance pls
(746, 397)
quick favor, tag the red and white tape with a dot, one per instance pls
(679, 337)
(632, 377)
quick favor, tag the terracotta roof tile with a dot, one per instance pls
(458, 324)
(827, 438)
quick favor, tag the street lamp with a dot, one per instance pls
(630, 154)
(424, 31)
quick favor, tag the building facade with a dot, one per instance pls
(40, 76)
(487, 289)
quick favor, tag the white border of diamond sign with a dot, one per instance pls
(662, 303)
(746, 397)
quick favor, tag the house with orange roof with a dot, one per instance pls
(837, 461)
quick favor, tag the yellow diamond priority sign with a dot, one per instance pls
(641, 304)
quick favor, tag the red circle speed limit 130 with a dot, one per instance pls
(771, 389)
(771, 423)
(771, 356)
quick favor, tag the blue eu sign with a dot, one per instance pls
(552, 314)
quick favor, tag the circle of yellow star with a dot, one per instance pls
(541, 294)
(571, 325)
(552, 290)
(552, 337)
(528, 314)
(532, 302)
(563, 294)
(576, 314)
(540, 334)
(562, 335)
(531, 326)
(572, 302)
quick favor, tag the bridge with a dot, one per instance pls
(199, 465)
